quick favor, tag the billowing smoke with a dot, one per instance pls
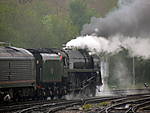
(139, 47)
(125, 28)
(122, 3)
(132, 18)
(121, 72)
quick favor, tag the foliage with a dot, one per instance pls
(38, 23)
(18, 25)
(142, 70)
(34, 25)
(59, 28)
(103, 104)
(79, 13)
(120, 70)
(140, 66)
(87, 106)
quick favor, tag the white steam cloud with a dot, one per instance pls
(120, 28)
(125, 28)
(139, 47)
(131, 18)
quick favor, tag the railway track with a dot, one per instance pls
(136, 103)
(54, 107)
(129, 104)
(16, 107)
(111, 104)
(49, 106)
(126, 107)
(118, 104)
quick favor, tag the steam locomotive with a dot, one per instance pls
(41, 73)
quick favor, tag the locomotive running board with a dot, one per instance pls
(82, 70)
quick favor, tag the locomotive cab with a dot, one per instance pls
(52, 68)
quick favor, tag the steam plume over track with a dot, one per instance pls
(131, 18)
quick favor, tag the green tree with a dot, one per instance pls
(20, 24)
(60, 29)
(79, 13)
(7, 32)
(42, 23)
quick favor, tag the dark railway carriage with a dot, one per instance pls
(17, 73)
